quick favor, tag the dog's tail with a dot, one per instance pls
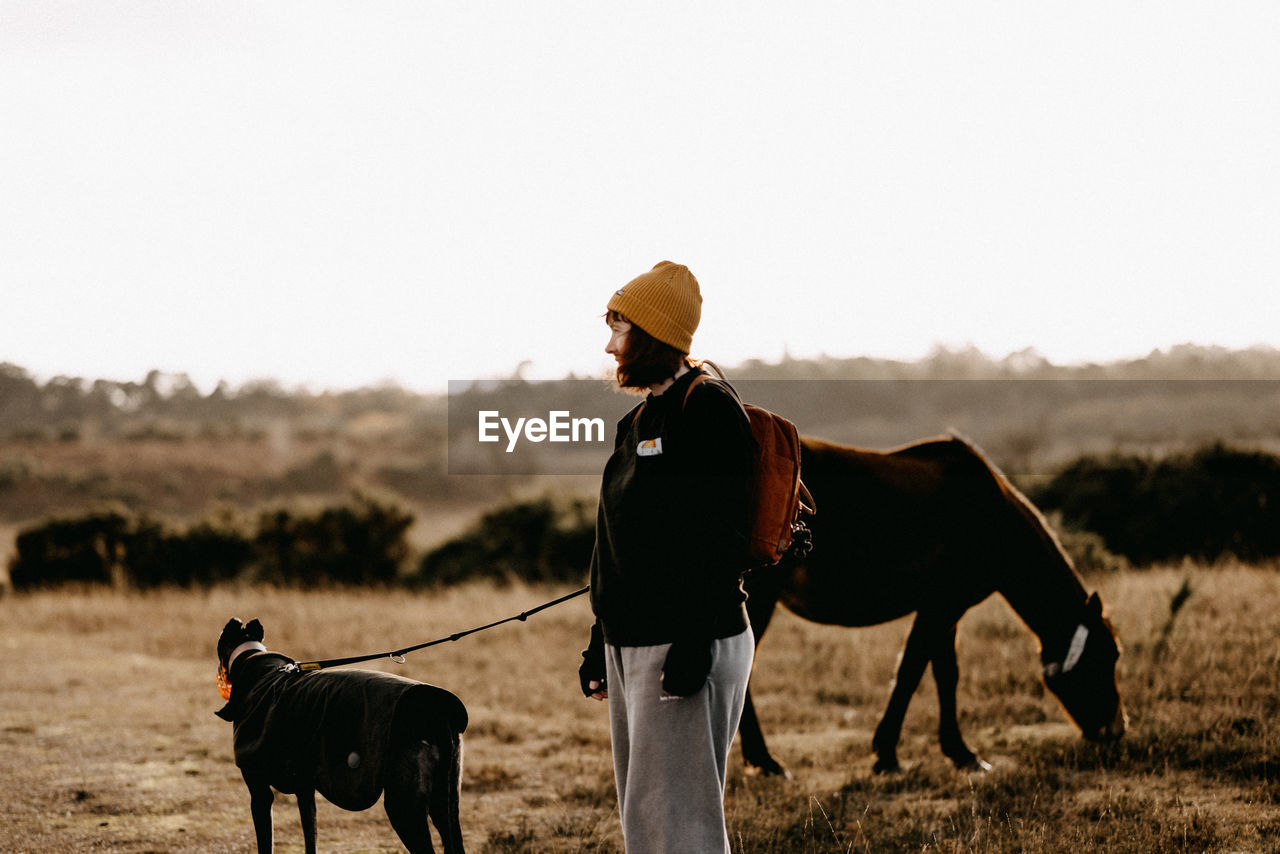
(431, 704)
(456, 711)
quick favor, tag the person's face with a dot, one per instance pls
(617, 345)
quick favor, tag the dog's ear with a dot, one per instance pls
(230, 632)
(253, 630)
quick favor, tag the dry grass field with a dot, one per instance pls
(108, 740)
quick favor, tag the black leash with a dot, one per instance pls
(397, 655)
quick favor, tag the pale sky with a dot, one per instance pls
(340, 194)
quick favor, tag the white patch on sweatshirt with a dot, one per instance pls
(649, 447)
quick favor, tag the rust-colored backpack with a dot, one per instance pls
(779, 497)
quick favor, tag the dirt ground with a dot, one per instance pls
(108, 740)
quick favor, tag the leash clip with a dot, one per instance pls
(398, 659)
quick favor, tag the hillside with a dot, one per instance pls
(160, 446)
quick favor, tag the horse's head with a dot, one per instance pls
(1082, 674)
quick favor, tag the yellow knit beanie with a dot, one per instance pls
(665, 302)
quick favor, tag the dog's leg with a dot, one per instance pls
(445, 794)
(407, 796)
(307, 812)
(260, 798)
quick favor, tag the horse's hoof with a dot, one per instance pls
(886, 766)
(768, 768)
(975, 764)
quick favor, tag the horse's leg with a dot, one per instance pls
(946, 676)
(761, 603)
(755, 753)
(915, 657)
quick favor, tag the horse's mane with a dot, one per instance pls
(1021, 503)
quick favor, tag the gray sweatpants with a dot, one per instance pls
(670, 756)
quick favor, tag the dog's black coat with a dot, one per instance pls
(348, 734)
(313, 727)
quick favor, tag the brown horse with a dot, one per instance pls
(934, 528)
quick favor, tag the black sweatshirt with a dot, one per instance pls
(672, 525)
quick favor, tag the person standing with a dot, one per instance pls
(671, 648)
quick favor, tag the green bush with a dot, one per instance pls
(1206, 504)
(111, 547)
(205, 554)
(539, 541)
(360, 543)
(89, 549)
(1088, 550)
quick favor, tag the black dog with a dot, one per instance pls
(348, 734)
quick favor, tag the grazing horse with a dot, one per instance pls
(934, 528)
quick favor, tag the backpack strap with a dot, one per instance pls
(806, 503)
(693, 384)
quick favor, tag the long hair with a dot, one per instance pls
(645, 360)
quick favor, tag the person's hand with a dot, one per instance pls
(591, 673)
(687, 666)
